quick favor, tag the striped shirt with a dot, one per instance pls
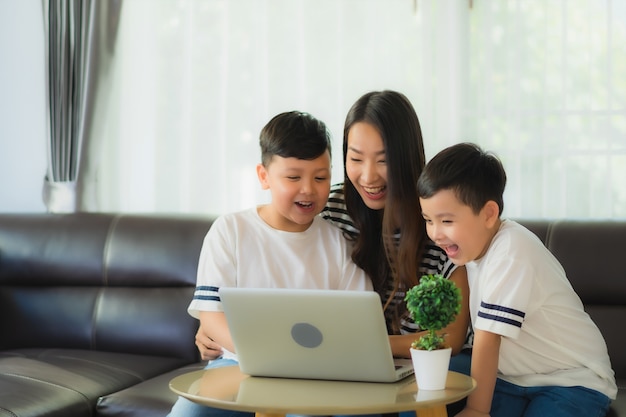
(434, 261)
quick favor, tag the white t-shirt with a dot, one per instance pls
(241, 250)
(520, 291)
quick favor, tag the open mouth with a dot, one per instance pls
(304, 204)
(451, 250)
(375, 191)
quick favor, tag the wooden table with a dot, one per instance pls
(227, 388)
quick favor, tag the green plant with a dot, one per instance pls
(433, 304)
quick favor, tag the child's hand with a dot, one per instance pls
(469, 412)
(209, 350)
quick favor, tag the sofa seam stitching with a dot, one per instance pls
(105, 275)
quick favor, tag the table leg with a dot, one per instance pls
(438, 411)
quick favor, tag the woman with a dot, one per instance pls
(378, 208)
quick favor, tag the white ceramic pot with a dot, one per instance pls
(431, 368)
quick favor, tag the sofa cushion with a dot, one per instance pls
(78, 377)
(152, 397)
(23, 396)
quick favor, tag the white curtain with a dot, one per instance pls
(538, 82)
(546, 90)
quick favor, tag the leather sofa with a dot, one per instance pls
(93, 312)
(93, 317)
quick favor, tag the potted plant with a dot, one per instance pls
(433, 304)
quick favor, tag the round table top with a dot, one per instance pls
(228, 388)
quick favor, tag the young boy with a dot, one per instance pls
(283, 244)
(536, 352)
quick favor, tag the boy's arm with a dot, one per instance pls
(209, 350)
(213, 324)
(484, 370)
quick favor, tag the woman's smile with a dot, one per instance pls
(375, 193)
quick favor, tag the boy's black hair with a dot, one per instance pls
(294, 134)
(475, 176)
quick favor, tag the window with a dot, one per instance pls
(537, 82)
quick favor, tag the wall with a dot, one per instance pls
(22, 106)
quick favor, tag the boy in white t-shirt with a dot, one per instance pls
(283, 244)
(536, 352)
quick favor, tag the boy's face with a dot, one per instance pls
(299, 190)
(454, 227)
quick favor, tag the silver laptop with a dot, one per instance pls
(313, 334)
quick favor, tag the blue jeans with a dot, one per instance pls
(510, 400)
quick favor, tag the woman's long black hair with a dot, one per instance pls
(390, 264)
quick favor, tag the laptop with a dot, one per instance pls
(312, 334)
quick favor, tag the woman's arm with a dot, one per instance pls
(400, 344)
(456, 331)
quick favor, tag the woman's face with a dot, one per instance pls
(366, 165)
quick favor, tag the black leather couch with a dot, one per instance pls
(93, 312)
(93, 317)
